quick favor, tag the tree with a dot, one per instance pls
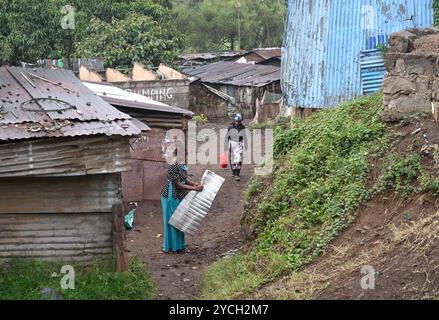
(137, 38)
(28, 30)
(212, 25)
(31, 30)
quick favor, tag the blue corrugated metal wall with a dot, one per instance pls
(372, 70)
(328, 41)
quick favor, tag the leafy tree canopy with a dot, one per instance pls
(31, 30)
(212, 25)
(137, 38)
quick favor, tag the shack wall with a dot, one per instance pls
(58, 218)
(203, 101)
(149, 168)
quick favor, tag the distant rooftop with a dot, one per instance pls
(238, 74)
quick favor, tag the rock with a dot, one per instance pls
(398, 85)
(51, 294)
(400, 41)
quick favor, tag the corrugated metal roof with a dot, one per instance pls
(198, 56)
(324, 40)
(237, 74)
(36, 103)
(268, 53)
(117, 96)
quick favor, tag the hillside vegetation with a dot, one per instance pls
(337, 174)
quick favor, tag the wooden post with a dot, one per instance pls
(435, 111)
(119, 238)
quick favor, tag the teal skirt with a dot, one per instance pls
(173, 239)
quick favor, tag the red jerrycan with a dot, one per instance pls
(224, 160)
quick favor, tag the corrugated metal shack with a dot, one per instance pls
(331, 47)
(220, 89)
(149, 167)
(62, 151)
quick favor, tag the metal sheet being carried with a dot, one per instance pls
(196, 205)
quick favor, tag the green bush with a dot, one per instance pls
(436, 12)
(201, 119)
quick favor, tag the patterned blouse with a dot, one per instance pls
(176, 172)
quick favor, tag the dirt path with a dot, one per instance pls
(178, 276)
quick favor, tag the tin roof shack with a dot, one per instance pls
(221, 89)
(149, 171)
(332, 50)
(62, 151)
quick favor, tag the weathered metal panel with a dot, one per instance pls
(36, 103)
(123, 98)
(79, 237)
(171, 92)
(372, 71)
(93, 193)
(237, 74)
(87, 105)
(66, 156)
(324, 39)
(67, 128)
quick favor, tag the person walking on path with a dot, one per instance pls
(234, 141)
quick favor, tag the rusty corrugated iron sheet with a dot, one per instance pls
(198, 56)
(65, 156)
(324, 41)
(268, 53)
(36, 103)
(237, 74)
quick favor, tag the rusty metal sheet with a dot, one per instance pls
(36, 103)
(69, 129)
(198, 56)
(65, 156)
(268, 53)
(238, 74)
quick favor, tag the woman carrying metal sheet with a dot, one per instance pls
(176, 188)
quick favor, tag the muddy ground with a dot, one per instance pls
(178, 276)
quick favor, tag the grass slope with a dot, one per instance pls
(318, 184)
